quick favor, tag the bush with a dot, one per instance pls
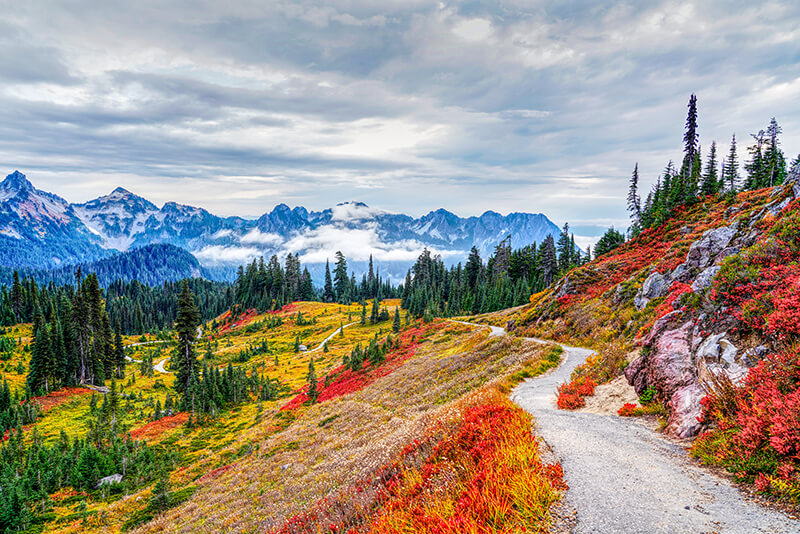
(571, 395)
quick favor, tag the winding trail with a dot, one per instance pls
(335, 333)
(625, 478)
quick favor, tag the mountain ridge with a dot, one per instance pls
(121, 220)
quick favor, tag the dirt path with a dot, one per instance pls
(625, 478)
(335, 333)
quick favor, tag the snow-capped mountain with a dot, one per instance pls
(56, 232)
(40, 229)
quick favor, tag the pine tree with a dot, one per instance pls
(691, 139)
(341, 281)
(328, 295)
(710, 179)
(312, 382)
(774, 160)
(186, 326)
(396, 322)
(731, 175)
(563, 249)
(634, 201)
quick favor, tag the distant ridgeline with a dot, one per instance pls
(150, 265)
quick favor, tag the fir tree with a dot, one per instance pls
(328, 294)
(711, 183)
(731, 175)
(634, 201)
(186, 327)
(396, 322)
(312, 382)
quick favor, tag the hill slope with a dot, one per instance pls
(712, 290)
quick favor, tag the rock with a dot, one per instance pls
(671, 365)
(685, 408)
(775, 209)
(727, 251)
(681, 273)
(728, 351)
(659, 326)
(751, 357)
(705, 278)
(511, 325)
(116, 478)
(302, 348)
(653, 287)
(796, 190)
(709, 348)
(703, 251)
(564, 288)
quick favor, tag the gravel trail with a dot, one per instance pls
(625, 478)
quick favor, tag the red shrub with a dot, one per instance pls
(571, 395)
(627, 410)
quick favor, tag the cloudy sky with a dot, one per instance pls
(517, 105)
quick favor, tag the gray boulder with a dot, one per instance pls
(705, 278)
(704, 251)
(654, 286)
(116, 478)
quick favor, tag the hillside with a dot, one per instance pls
(709, 302)
(266, 458)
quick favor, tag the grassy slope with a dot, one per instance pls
(258, 464)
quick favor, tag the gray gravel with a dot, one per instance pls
(623, 477)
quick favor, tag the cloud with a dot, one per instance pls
(257, 237)
(216, 255)
(410, 105)
(353, 211)
(320, 244)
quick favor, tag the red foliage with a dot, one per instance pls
(59, 397)
(627, 410)
(348, 381)
(571, 395)
(675, 291)
(232, 321)
(211, 475)
(473, 455)
(154, 429)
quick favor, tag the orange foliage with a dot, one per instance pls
(57, 398)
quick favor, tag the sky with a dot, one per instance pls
(408, 106)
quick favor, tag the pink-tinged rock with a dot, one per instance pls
(686, 409)
(671, 366)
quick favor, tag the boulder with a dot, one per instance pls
(653, 287)
(116, 478)
(681, 273)
(685, 411)
(704, 251)
(705, 278)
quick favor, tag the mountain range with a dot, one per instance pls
(40, 230)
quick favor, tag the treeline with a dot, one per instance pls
(269, 285)
(691, 181)
(31, 471)
(507, 279)
(139, 308)
(152, 265)
(135, 307)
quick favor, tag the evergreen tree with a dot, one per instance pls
(396, 322)
(774, 160)
(711, 182)
(691, 139)
(731, 175)
(341, 281)
(328, 294)
(564, 249)
(185, 360)
(634, 201)
(610, 240)
(312, 382)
